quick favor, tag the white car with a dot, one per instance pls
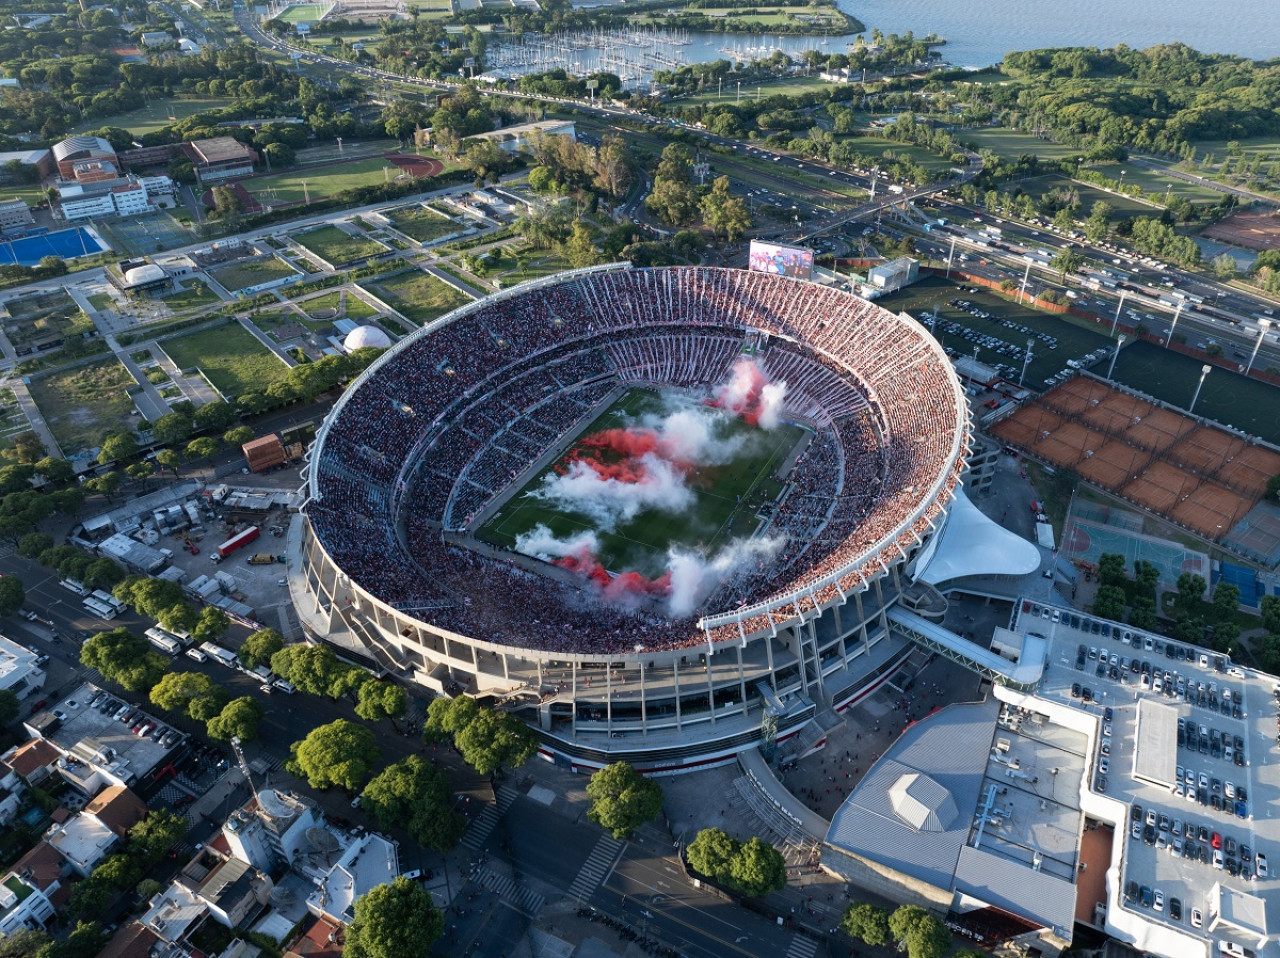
(1158, 903)
(1261, 861)
(1197, 919)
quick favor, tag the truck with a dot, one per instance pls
(242, 538)
(262, 558)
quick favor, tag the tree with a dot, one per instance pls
(169, 459)
(54, 469)
(866, 922)
(9, 706)
(495, 740)
(210, 624)
(1111, 569)
(1190, 590)
(105, 484)
(673, 202)
(171, 428)
(27, 448)
(193, 694)
(379, 700)
(215, 415)
(578, 248)
(340, 753)
(1225, 267)
(118, 447)
(124, 658)
(103, 573)
(711, 852)
(259, 647)
(758, 869)
(314, 669)
(1109, 602)
(1271, 613)
(140, 471)
(1226, 597)
(1066, 261)
(446, 717)
(237, 435)
(239, 718)
(726, 214)
(395, 920)
(202, 447)
(923, 935)
(25, 943)
(33, 544)
(12, 595)
(415, 795)
(153, 837)
(622, 799)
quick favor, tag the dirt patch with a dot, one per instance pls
(416, 166)
(1252, 229)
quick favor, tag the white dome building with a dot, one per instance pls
(363, 336)
(141, 275)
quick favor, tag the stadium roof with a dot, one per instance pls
(974, 545)
(933, 774)
(1012, 885)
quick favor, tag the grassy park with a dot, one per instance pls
(194, 293)
(1010, 144)
(82, 405)
(340, 304)
(337, 247)
(249, 273)
(1159, 185)
(156, 114)
(418, 296)
(298, 185)
(39, 320)
(230, 358)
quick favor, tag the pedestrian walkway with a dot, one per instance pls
(149, 401)
(34, 418)
(522, 898)
(194, 388)
(802, 946)
(487, 820)
(276, 349)
(597, 865)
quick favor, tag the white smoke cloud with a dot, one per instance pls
(695, 576)
(771, 399)
(608, 501)
(540, 543)
(693, 435)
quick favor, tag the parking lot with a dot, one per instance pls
(1185, 741)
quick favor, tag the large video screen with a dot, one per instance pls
(784, 260)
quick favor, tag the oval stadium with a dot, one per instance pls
(661, 514)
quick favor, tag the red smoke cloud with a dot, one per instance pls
(584, 563)
(742, 394)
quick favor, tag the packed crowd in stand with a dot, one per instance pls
(457, 412)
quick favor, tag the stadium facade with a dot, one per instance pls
(418, 451)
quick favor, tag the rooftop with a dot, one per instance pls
(33, 755)
(117, 808)
(83, 840)
(15, 660)
(219, 149)
(367, 862)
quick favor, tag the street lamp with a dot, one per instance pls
(1176, 314)
(1115, 355)
(1263, 326)
(1204, 373)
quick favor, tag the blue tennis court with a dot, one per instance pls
(65, 244)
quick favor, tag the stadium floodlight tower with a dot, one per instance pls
(1204, 374)
(1263, 326)
(1116, 355)
(446, 538)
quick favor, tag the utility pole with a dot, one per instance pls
(1025, 277)
(951, 254)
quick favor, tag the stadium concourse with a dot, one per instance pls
(421, 450)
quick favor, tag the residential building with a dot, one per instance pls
(219, 158)
(33, 890)
(367, 862)
(134, 940)
(232, 889)
(19, 672)
(271, 830)
(83, 841)
(156, 38)
(34, 761)
(11, 789)
(117, 808)
(15, 214)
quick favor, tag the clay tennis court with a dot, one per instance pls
(1201, 477)
(1250, 229)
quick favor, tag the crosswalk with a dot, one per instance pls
(802, 946)
(487, 820)
(595, 867)
(520, 897)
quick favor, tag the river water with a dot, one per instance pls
(981, 32)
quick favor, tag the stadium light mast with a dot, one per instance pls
(950, 255)
(1026, 361)
(1263, 326)
(1176, 314)
(1204, 374)
(1115, 355)
(1026, 276)
(1119, 306)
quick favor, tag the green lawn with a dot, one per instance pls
(422, 224)
(156, 114)
(232, 359)
(1226, 397)
(337, 247)
(12, 419)
(1153, 182)
(873, 145)
(302, 13)
(418, 296)
(1125, 207)
(721, 495)
(320, 181)
(194, 294)
(1010, 144)
(101, 301)
(83, 405)
(729, 92)
(238, 276)
(44, 318)
(347, 304)
(1074, 341)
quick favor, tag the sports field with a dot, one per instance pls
(320, 181)
(1227, 397)
(303, 12)
(156, 114)
(725, 497)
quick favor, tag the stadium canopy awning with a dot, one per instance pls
(973, 545)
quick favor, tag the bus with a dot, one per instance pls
(79, 588)
(100, 609)
(218, 653)
(106, 598)
(163, 641)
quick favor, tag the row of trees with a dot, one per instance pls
(909, 927)
(751, 868)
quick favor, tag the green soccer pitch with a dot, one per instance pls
(726, 497)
